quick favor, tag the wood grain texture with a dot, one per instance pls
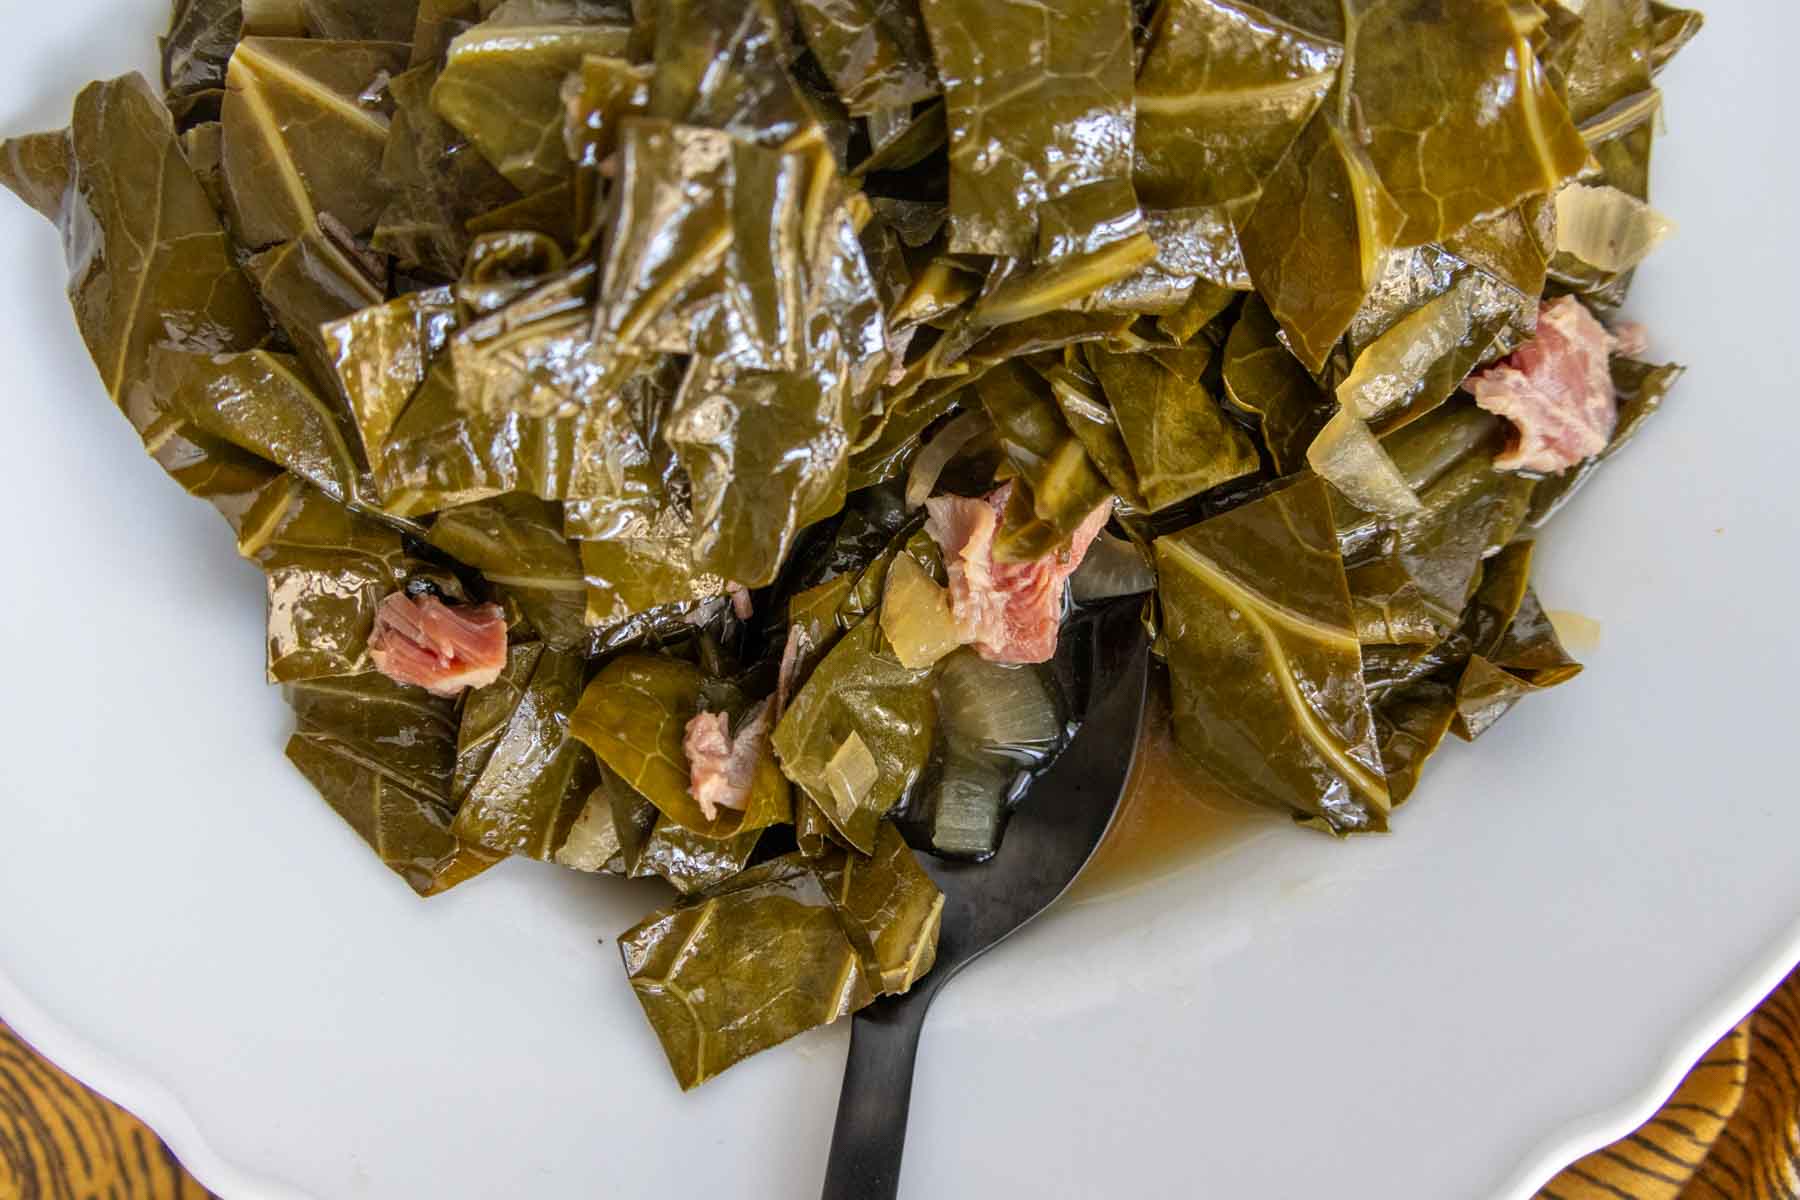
(60, 1141)
(1730, 1132)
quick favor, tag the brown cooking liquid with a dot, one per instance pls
(1171, 813)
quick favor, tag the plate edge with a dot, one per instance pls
(1581, 1137)
(158, 1107)
(138, 1093)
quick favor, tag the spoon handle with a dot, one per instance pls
(870, 1135)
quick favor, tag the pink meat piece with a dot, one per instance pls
(721, 768)
(1556, 390)
(740, 601)
(1010, 612)
(799, 645)
(1632, 337)
(443, 649)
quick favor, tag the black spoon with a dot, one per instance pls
(1047, 844)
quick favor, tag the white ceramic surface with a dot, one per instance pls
(1564, 920)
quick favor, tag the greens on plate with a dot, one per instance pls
(675, 433)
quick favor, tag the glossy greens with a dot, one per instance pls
(301, 140)
(1263, 379)
(859, 694)
(650, 334)
(517, 543)
(501, 86)
(436, 181)
(1180, 440)
(1222, 94)
(875, 51)
(890, 909)
(1058, 485)
(521, 777)
(1266, 665)
(150, 266)
(196, 48)
(382, 755)
(744, 968)
(327, 568)
(1040, 111)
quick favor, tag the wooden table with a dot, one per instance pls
(1730, 1132)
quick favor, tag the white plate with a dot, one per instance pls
(1566, 917)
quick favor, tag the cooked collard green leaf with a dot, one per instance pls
(701, 227)
(860, 690)
(438, 455)
(1265, 662)
(1675, 28)
(1040, 106)
(150, 266)
(1181, 441)
(197, 46)
(516, 542)
(1319, 235)
(380, 357)
(596, 100)
(521, 777)
(300, 140)
(722, 64)
(1263, 377)
(1420, 359)
(626, 576)
(890, 908)
(501, 85)
(437, 182)
(741, 969)
(1480, 131)
(357, 20)
(261, 402)
(328, 568)
(1520, 655)
(651, 844)
(875, 51)
(1084, 407)
(381, 755)
(1410, 583)
(1222, 94)
(312, 281)
(1058, 484)
(1195, 250)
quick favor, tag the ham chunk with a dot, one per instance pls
(721, 768)
(1633, 339)
(1010, 612)
(1556, 390)
(443, 649)
(741, 603)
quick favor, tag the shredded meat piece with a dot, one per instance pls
(433, 645)
(722, 768)
(740, 601)
(1010, 612)
(1632, 337)
(799, 645)
(1556, 390)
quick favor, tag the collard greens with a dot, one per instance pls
(601, 355)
